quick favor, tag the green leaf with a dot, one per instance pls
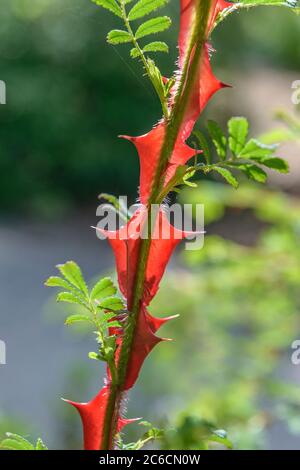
(186, 178)
(118, 204)
(227, 175)
(238, 132)
(218, 138)
(114, 324)
(275, 163)
(254, 148)
(11, 444)
(94, 356)
(110, 5)
(156, 46)
(134, 53)
(72, 272)
(287, 3)
(118, 36)
(55, 281)
(220, 436)
(106, 317)
(70, 298)
(254, 172)
(203, 144)
(155, 25)
(104, 288)
(76, 319)
(112, 303)
(40, 445)
(16, 442)
(144, 7)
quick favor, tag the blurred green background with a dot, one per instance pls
(69, 95)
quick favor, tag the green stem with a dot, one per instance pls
(163, 101)
(174, 123)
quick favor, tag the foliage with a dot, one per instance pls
(16, 442)
(152, 434)
(247, 156)
(154, 25)
(100, 307)
(193, 433)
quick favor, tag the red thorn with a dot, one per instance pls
(155, 323)
(127, 137)
(122, 422)
(225, 85)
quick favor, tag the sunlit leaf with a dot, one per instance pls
(155, 25)
(156, 46)
(275, 163)
(254, 148)
(203, 144)
(238, 132)
(70, 298)
(218, 138)
(118, 36)
(76, 319)
(144, 7)
(227, 175)
(72, 272)
(111, 303)
(104, 288)
(110, 5)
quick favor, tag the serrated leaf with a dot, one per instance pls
(134, 53)
(55, 281)
(144, 7)
(220, 437)
(255, 173)
(76, 319)
(94, 356)
(156, 46)
(111, 303)
(286, 3)
(118, 36)
(72, 272)
(254, 148)
(104, 288)
(218, 138)
(16, 442)
(238, 132)
(186, 178)
(40, 445)
(70, 298)
(114, 324)
(227, 175)
(203, 144)
(275, 163)
(11, 444)
(105, 317)
(155, 25)
(110, 5)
